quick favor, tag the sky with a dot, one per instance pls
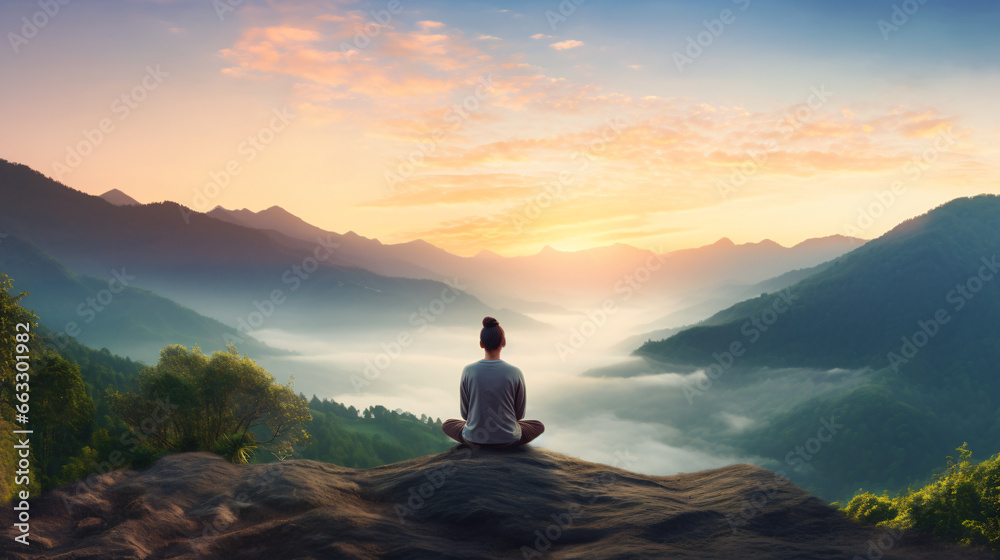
(509, 126)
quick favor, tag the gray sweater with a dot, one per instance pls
(492, 394)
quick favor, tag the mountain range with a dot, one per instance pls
(913, 313)
(551, 279)
(890, 344)
(237, 275)
(110, 312)
(238, 266)
(932, 275)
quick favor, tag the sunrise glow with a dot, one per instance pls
(572, 125)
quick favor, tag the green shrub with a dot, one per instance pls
(961, 505)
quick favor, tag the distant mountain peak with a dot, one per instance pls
(832, 240)
(724, 242)
(487, 254)
(277, 210)
(416, 244)
(118, 198)
(768, 243)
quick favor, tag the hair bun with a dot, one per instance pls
(490, 322)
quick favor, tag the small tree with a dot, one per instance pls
(224, 403)
(63, 413)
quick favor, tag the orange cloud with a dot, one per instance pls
(566, 45)
(405, 84)
(380, 64)
(669, 158)
(925, 125)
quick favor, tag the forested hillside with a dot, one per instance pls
(918, 309)
(81, 431)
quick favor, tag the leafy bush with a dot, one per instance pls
(961, 505)
(236, 448)
(192, 402)
(871, 509)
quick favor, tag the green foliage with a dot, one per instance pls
(237, 448)
(62, 413)
(100, 371)
(82, 465)
(883, 414)
(106, 452)
(869, 508)
(190, 402)
(961, 505)
(376, 436)
(98, 412)
(67, 387)
(11, 313)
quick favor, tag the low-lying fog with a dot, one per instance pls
(630, 413)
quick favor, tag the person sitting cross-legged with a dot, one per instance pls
(492, 399)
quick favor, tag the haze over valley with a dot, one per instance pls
(361, 322)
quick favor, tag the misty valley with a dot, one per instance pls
(785, 358)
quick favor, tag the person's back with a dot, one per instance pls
(492, 398)
(492, 401)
